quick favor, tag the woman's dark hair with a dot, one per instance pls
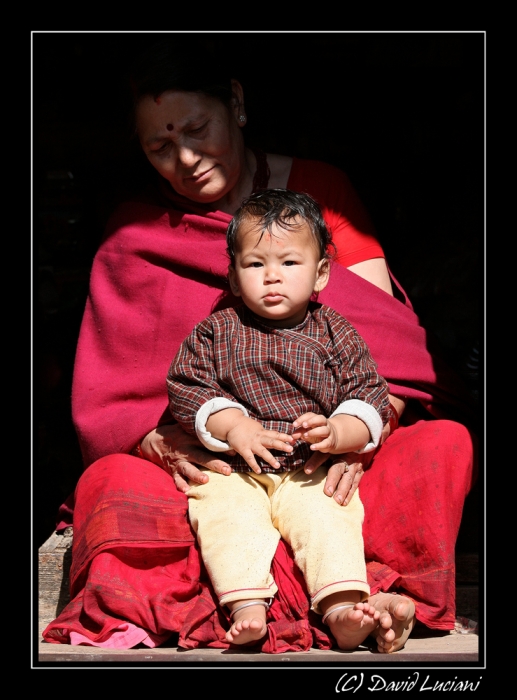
(281, 207)
(172, 64)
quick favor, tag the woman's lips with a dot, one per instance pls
(201, 177)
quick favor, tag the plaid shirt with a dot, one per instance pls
(277, 374)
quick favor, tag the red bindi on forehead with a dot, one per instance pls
(169, 127)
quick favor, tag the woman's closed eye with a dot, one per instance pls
(161, 149)
(198, 131)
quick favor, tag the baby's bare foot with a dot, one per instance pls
(396, 621)
(350, 626)
(248, 625)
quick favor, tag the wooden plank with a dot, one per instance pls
(54, 560)
(433, 647)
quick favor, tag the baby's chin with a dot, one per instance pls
(279, 320)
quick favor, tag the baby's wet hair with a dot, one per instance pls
(286, 209)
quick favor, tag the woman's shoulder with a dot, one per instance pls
(323, 181)
(351, 226)
(295, 173)
(310, 174)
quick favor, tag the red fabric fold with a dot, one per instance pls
(146, 569)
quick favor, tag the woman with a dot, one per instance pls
(136, 574)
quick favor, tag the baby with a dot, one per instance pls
(271, 381)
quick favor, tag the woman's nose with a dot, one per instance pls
(187, 156)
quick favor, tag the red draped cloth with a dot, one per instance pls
(136, 575)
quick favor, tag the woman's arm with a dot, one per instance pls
(374, 271)
(353, 232)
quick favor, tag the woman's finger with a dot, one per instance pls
(180, 482)
(334, 476)
(344, 489)
(315, 461)
(206, 459)
(348, 484)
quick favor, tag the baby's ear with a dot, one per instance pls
(323, 275)
(232, 279)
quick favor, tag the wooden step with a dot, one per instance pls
(421, 647)
(54, 558)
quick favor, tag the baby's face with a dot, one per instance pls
(276, 274)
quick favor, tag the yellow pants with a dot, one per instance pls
(239, 519)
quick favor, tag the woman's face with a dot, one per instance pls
(194, 141)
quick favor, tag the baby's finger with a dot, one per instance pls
(250, 459)
(268, 457)
(315, 434)
(280, 445)
(273, 438)
(308, 418)
(323, 446)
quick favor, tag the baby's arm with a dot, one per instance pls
(337, 434)
(248, 437)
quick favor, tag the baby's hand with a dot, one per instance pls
(317, 430)
(250, 438)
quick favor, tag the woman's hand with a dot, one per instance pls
(171, 448)
(344, 474)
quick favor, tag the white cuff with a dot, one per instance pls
(206, 410)
(369, 416)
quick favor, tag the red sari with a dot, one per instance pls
(136, 575)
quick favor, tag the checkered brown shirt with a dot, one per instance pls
(277, 374)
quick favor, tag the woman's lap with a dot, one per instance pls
(131, 536)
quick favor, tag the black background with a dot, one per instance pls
(402, 113)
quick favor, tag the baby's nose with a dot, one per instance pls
(272, 273)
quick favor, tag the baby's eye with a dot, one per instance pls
(290, 262)
(256, 264)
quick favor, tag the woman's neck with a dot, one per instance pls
(233, 199)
